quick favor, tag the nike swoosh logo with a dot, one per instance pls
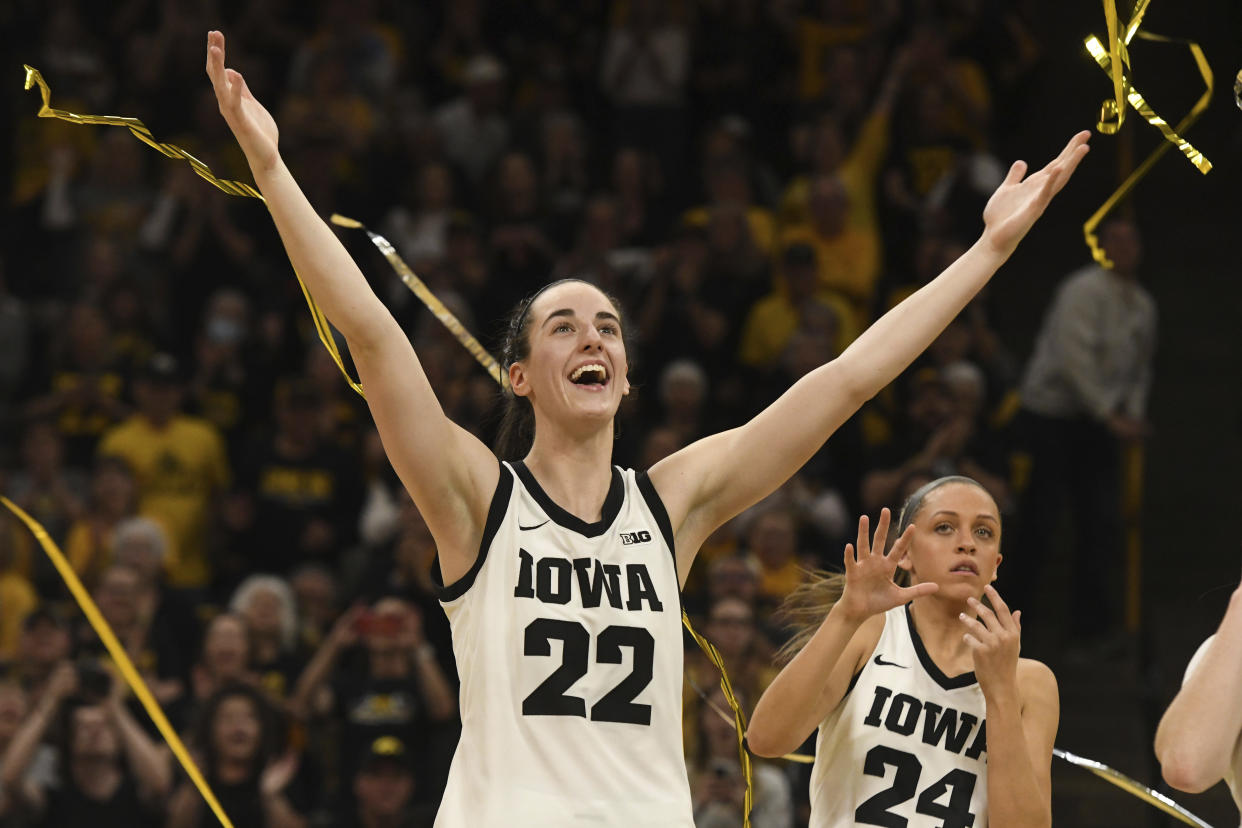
(879, 660)
(528, 528)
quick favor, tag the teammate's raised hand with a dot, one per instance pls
(252, 125)
(869, 586)
(995, 639)
(1019, 201)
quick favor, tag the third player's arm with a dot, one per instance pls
(1199, 733)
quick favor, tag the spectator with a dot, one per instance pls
(384, 789)
(245, 764)
(224, 660)
(716, 780)
(1084, 401)
(772, 549)
(473, 128)
(266, 604)
(110, 772)
(316, 599)
(397, 689)
(43, 642)
(180, 465)
(113, 498)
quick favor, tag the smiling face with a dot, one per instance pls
(956, 541)
(575, 372)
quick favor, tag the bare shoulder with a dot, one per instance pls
(1036, 681)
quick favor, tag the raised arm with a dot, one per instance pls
(1199, 733)
(449, 473)
(814, 682)
(709, 481)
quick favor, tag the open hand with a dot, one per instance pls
(252, 125)
(279, 773)
(869, 585)
(1018, 202)
(995, 639)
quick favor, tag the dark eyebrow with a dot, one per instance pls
(556, 313)
(569, 312)
(954, 514)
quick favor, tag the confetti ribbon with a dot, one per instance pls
(237, 188)
(1132, 787)
(410, 279)
(120, 658)
(1115, 61)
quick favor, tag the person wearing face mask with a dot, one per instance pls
(561, 573)
(924, 679)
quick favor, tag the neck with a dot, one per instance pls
(390, 664)
(159, 422)
(575, 473)
(370, 819)
(941, 629)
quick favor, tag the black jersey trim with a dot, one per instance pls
(495, 514)
(938, 676)
(562, 518)
(656, 505)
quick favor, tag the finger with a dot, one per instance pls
(850, 560)
(980, 632)
(236, 84)
(909, 593)
(1070, 164)
(1015, 173)
(215, 59)
(985, 615)
(881, 530)
(973, 643)
(899, 546)
(864, 542)
(999, 606)
(1017, 620)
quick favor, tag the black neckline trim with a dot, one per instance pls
(495, 514)
(562, 518)
(954, 683)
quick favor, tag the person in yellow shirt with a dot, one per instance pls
(180, 465)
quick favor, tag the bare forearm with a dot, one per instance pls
(793, 705)
(22, 748)
(435, 685)
(1196, 737)
(146, 759)
(1015, 797)
(885, 349)
(320, 259)
(312, 677)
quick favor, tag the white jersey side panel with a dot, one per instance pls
(906, 747)
(568, 641)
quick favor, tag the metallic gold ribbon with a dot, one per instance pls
(410, 279)
(237, 188)
(1115, 61)
(739, 718)
(120, 658)
(1132, 787)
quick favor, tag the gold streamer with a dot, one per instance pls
(739, 718)
(410, 279)
(237, 188)
(1132, 787)
(119, 657)
(1115, 61)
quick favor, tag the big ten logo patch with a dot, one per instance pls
(641, 536)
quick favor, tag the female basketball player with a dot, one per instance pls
(562, 572)
(911, 686)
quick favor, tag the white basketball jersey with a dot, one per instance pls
(907, 745)
(568, 641)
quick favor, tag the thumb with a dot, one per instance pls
(1015, 172)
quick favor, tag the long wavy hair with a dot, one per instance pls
(806, 607)
(516, 433)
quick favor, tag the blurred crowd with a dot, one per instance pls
(755, 180)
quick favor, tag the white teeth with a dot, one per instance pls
(582, 369)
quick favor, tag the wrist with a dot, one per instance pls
(850, 616)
